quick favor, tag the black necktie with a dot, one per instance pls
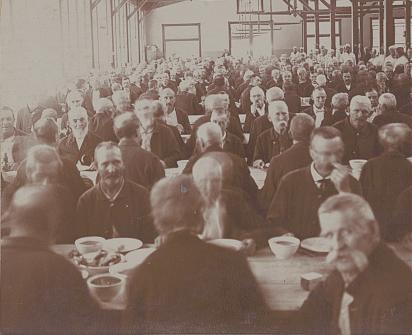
(326, 187)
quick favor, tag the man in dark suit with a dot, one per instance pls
(252, 104)
(187, 283)
(275, 80)
(262, 123)
(156, 137)
(174, 116)
(369, 290)
(101, 123)
(385, 177)
(275, 140)
(231, 143)
(167, 83)
(304, 86)
(79, 145)
(246, 82)
(141, 166)
(296, 157)
(360, 136)
(115, 206)
(348, 85)
(321, 82)
(402, 217)
(41, 292)
(388, 112)
(300, 192)
(318, 111)
(186, 100)
(339, 109)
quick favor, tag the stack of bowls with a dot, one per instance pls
(356, 166)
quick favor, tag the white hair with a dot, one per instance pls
(210, 133)
(274, 93)
(360, 100)
(256, 89)
(388, 101)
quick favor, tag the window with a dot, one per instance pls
(324, 34)
(399, 33)
(182, 40)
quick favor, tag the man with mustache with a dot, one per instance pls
(369, 292)
(79, 145)
(300, 192)
(174, 116)
(275, 140)
(359, 136)
(115, 206)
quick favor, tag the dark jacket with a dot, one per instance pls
(363, 144)
(101, 124)
(163, 144)
(141, 166)
(129, 214)
(188, 103)
(295, 205)
(402, 215)
(382, 299)
(383, 179)
(41, 292)
(191, 285)
(393, 117)
(183, 120)
(67, 147)
(233, 145)
(296, 157)
(270, 144)
(292, 100)
(250, 118)
(260, 124)
(333, 117)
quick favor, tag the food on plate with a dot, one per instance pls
(99, 259)
(106, 281)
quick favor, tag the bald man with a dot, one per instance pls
(41, 292)
(174, 116)
(79, 145)
(385, 177)
(296, 157)
(275, 140)
(186, 99)
(359, 136)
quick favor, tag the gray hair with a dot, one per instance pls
(361, 100)
(256, 89)
(388, 102)
(176, 203)
(274, 93)
(215, 101)
(43, 154)
(120, 95)
(340, 101)
(103, 105)
(107, 145)
(301, 127)
(210, 134)
(357, 207)
(393, 136)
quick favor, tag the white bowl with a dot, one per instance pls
(105, 287)
(88, 244)
(227, 243)
(95, 270)
(137, 257)
(284, 247)
(357, 164)
(123, 244)
(9, 176)
(409, 159)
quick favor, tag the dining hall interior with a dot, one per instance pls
(206, 167)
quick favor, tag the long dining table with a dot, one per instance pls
(279, 280)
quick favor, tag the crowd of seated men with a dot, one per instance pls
(306, 116)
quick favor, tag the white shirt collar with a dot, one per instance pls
(315, 175)
(317, 110)
(171, 118)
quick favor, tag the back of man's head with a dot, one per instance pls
(209, 134)
(33, 212)
(274, 93)
(387, 103)
(340, 101)
(394, 136)
(126, 125)
(301, 127)
(45, 131)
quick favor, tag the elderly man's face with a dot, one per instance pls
(165, 79)
(350, 243)
(358, 115)
(313, 77)
(347, 78)
(78, 123)
(6, 123)
(44, 174)
(325, 152)
(279, 118)
(302, 75)
(256, 81)
(381, 79)
(257, 98)
(110, 166)
(221, 119)
(75, 100)
(123, 105)
(275, 74)
(287, 77)
(373, 98)
(168, 99)
(145, 114)
(319, 99)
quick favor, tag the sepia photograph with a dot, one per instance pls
(206, 167)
